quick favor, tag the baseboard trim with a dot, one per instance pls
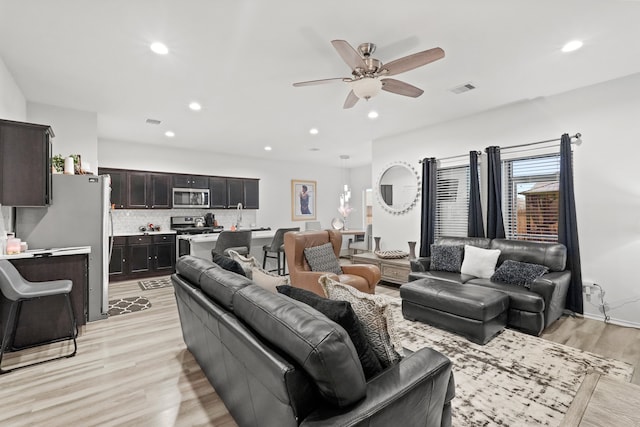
(613, 321)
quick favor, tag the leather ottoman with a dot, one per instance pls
(476, 313)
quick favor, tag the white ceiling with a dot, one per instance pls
(239, 59)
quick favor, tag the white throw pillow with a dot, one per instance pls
(247, 263)
(267, 280)
(374, 314)
(479, 262)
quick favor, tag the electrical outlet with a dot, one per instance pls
(587, 290)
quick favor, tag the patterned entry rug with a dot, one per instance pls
(515, 379)
(161, 282)
(128, 305)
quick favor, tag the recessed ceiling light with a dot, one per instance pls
(571, 46)
(267, 148)
(313, 131)
(159, 48)
(170, 134)
(372, 115)
(195, 106)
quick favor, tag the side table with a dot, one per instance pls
(392, 270)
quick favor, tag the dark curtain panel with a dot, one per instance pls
(428, 215)
(475, 223)
(495, 223)
(568, 226)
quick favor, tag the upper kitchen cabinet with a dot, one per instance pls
(148, 190)
(243, 190)
(25, 164)
(218, 192)
(190, 181)
(118, 186)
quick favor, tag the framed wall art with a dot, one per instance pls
(303, 200)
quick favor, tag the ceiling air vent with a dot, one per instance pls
(462, 88)
(153, 122)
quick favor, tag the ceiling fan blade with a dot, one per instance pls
(348, 54)
(413, 61)
(351, 100)
(318, 82)
(401, 88)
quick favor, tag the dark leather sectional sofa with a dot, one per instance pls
(530, 310)
(277, 362)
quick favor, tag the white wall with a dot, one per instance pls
(275, 176)
(606, 175)
(76, 132)
(359, 180)
(13, 106)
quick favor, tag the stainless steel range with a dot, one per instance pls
(192, 225)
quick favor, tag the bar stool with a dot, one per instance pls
(277, 247)
(16, 289)
(239, 241)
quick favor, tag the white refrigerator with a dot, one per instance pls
(79, 215)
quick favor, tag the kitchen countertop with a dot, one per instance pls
(39, 253)
(144, 233)
(212, 237)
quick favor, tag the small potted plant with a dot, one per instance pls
(57, 163)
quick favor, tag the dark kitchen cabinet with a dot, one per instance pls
(118, 186)
(142, 256)
(190, 181)
(148, 190)
(118, 260)
(243, 190)
(218, 192)
(25, 164)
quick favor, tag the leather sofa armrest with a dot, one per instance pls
(369, 271)
(553, 288)
(414, 391)
(420, 265)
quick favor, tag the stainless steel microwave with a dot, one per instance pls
(190, 198)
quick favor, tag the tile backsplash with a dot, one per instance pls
(129, 220)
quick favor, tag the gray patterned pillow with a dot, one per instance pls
(376, 317)
(518, 273)
(322, 258)
(446, 258)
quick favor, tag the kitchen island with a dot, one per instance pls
(45, 319)
(200, 245)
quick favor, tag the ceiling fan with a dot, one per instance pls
(370, 75)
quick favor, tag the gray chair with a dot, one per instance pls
(363, 245)
(17, 290)
(239, 241)
(277, 247)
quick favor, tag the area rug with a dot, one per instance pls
(128, 305)
(162, 282)
(514, 380)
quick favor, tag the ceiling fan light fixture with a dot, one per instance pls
(572, 46)
(366, 87)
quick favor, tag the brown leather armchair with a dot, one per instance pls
(363, 277)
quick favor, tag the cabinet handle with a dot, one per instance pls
(124, 260)
(149, 257)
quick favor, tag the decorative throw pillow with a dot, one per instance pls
(247, 263)
(267, 280)
(479, 262)
(446, 258)
(227, 263)
(519, 273)
(342, 313)
(322, 258)
(375, 315)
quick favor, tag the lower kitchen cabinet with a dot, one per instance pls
(141, 256)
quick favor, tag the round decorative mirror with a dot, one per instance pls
(398, 187)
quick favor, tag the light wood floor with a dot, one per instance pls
(134, 370)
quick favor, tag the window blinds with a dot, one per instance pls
(452, 201)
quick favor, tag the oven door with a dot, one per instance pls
(190, 198)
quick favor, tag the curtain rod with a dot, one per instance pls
(576, 136)
(453, 157)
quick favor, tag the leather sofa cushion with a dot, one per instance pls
(480, 242)
(552, 255)
(220, 285)
(464, 301)
(192, 268)
(321, 347)
(446, 276)
(520, 298)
